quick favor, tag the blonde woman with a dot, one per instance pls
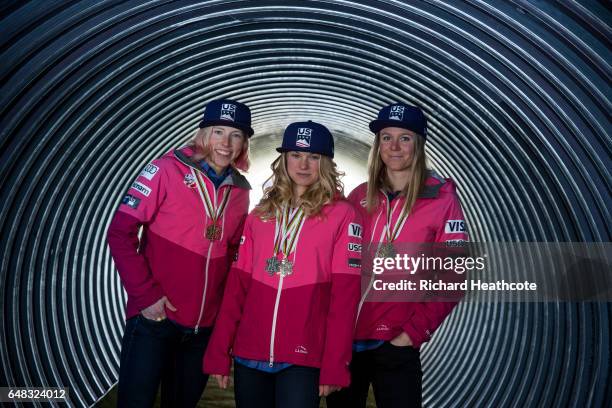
(191, 204)
(289, 307)
(402, 202)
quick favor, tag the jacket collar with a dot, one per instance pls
(234, 179)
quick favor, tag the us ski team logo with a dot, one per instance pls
(397, 113)
(189, 180)
(303, 137)
(228, 111)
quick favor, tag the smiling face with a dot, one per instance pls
(397, 146)
(226, 144)
(303, 169)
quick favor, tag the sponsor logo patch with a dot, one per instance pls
(301, 350)
(141, 188)
(363, 202)
(354, 262)
(382, 327)
(354, 230)
(131, 201)
(228, 111)
(396, 113)
(455, 243)
(149, 171)
(354, 247)
(454, 227)
(189, 180)
(303, 137)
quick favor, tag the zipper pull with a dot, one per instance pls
(196, 330)
(271, 362)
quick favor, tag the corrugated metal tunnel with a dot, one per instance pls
(518, 98)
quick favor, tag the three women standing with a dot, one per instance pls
(289, 306)
(191, 204)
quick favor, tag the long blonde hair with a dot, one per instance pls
(201, 148)
(377, 175)
(327, 188)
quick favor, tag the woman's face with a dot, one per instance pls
(397, 148)
(225, 146)
(303, 169)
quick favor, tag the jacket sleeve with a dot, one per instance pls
(429, 315)
(345, 291)
(217, 358)
(138, 207)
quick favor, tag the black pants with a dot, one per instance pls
(293, 387)
(395, 374)
(154, 352)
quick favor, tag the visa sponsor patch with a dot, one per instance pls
(353, 247)
(149, 171)
(354, 230)
(141, 188)
(131, 201)
(454, 227)
(354, 262)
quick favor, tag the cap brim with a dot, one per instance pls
(300, 149)
(379, 124)
(220, 122)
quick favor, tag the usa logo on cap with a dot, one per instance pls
(396, 113)
(228, 111)
(303, 137)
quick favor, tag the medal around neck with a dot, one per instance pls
(386, 250)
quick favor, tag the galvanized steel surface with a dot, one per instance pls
(518, 98)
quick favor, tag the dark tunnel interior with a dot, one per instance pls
(517, 94)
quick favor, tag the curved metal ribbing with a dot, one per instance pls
(518, 97)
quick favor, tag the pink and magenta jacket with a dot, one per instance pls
(173, 257)
(435, 217)
(306, 318)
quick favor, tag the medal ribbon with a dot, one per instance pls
(213, 212)
(287, 230)
(391, 234)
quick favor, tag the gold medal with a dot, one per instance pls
(213, 232)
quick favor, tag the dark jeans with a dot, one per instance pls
(395, 374)
(293, 387)
(166, 352)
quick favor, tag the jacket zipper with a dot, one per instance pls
(205, 287)
(278, 295)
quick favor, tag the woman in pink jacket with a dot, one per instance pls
(402, 202)
(288, 311)
(191, 204)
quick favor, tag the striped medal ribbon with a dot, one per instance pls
(214, 212)
(285, 240)
(386, 249)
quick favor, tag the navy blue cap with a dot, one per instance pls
(402, 116)
(226, 112)
(308, 136)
